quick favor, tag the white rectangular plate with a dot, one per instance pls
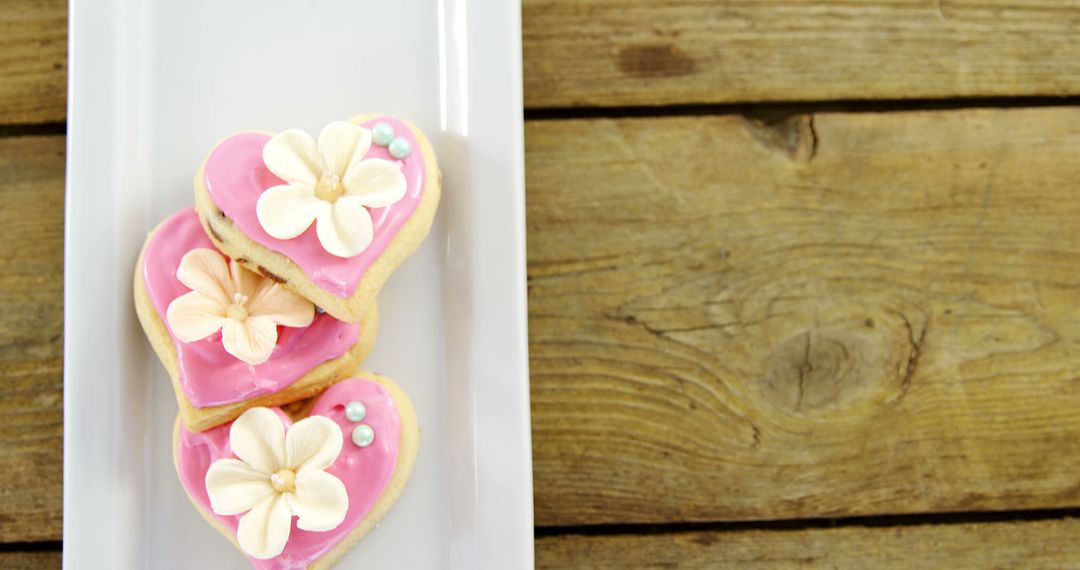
(153, 86)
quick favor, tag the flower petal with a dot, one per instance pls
(244, 281)
(235, 487)
(286, 211)
(340, 142)
(281, 306)
(345, 229)
(257, 437)
(263, 532)
(204, 270)
(251, 340)
(312, 443)
(291, 155)
(193, 317)
(375, 182)
(320, 500)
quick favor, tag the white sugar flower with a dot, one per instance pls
(278, 475)
(247, 308)
(332, 185)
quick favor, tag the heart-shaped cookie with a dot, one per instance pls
(330, 220)
(212, 384)
(338, 467)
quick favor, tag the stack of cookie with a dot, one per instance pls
(260, 302)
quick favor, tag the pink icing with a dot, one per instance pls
(235, 176)
(209, 376)
(364, 471)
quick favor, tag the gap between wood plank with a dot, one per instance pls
(774, 108)
(42, 546)
(797, 107)
(796, 525)
(32, 130)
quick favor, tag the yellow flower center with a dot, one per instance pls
(284, 481)
(329, 187)
(237, 311)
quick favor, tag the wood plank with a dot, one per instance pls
(642, 52)
(611, 53)
(31, 342)
(33, 61)
(986, 546)
(843, 314)
(30, 560)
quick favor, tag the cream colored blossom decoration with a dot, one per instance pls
(331, 184)
(247, 308)
(277, 475)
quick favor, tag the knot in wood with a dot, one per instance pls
(820, 370)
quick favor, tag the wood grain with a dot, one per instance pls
(642, 52)
(29, 560)
(33, 61)
(987, 546)
(831, 315)
(31, 343)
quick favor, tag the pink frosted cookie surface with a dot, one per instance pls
(209, 376)
(235, 177)
(365, 471)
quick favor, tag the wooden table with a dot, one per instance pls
(804, 282)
